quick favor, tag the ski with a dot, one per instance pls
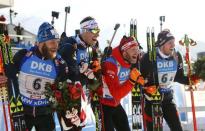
(135, 28)
(97, 112)
(187, 42)
(3, 100)
(15, 104)
(137, 97)
(17, 114)
(157, 114)
(4, 89)
(137, 117)
(131, 27)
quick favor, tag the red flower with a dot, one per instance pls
(79, 86)
(75, 91)
(58, 95)
(53, 87)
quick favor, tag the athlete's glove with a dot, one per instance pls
(83, 67)
(89, 74)
(107, 51)
(149, 92)
(150, 89)
(95, 66)
(135, 77)
(86, 71)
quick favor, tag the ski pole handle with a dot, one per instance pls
(116, 28)
(186, 41)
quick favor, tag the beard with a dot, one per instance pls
(130, 59)
(47, 53)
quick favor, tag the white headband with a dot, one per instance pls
(91, 24)
(129, 45)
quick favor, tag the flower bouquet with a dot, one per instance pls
(66, 99)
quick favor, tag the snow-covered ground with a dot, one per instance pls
(183, 101)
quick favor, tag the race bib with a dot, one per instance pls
(166, 71)
(82, 55)
(34, 75)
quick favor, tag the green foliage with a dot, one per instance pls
(199, 68)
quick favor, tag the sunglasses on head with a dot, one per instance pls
(94, 31)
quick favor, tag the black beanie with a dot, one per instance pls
(163, 37)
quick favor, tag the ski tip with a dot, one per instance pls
(148, 29)
(152, 29)
(135, 21)
(131, 21)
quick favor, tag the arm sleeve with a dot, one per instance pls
(180, 77)
(12, 69)
(18, 58)
(116, 89)
(67, 52)
(147, 70)
(144, 66)
(63, 72)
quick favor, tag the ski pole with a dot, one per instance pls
(187, 42)
(108, 50)
(116, 28)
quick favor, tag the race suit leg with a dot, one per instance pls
(45, 123)
(148, 115)
(170, 113)
(120, 117)
(113, 117)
